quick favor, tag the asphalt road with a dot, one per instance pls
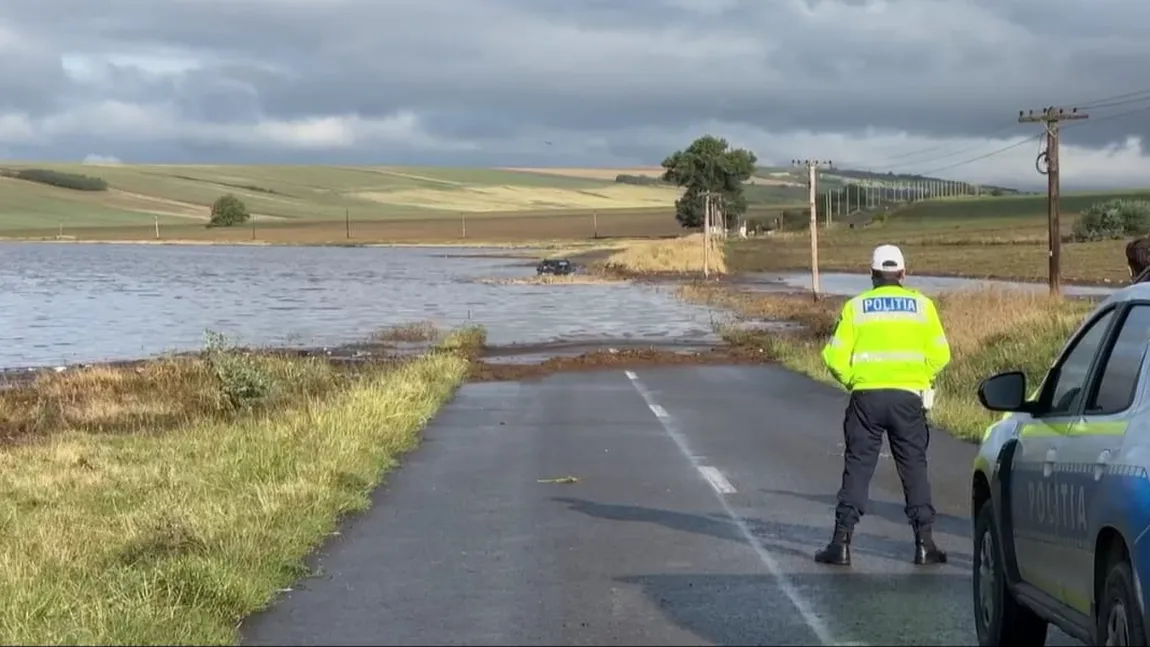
(702, 494)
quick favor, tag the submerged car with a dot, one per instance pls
(1060, 494)
(555, 266)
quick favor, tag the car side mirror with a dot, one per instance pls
(1004, 392)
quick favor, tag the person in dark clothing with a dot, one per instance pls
(1138, 259)
(887, 349)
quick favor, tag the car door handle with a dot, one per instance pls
(1101, 464)
(1048, 463)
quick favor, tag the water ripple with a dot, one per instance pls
(83, 303)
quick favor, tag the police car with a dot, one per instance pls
(1061, 493)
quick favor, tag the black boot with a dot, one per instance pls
(838, 552)
(925, 550)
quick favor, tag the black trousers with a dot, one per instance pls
(900, 415)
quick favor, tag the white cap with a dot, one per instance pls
(887, 258)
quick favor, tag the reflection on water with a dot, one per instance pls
(71, 303)
(848, 284)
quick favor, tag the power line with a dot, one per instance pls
(1124, 98)
(961, 151)
(1105, 102)
(1121, 102)
(1003, 149)
(935, 147)
(1116, 115)
(992, 153)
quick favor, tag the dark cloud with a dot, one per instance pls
(508, 75)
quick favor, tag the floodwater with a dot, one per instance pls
(841, 283)
(78, 303)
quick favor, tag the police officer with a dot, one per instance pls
(887, 348)
(1138, 259)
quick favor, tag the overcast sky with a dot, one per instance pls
(904, 85)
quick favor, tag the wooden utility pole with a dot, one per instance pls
(707, 206)
(1052, 118)
(813, 186)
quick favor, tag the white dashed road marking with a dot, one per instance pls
(716, 479)
(802, 605)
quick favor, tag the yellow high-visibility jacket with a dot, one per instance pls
(887, 338)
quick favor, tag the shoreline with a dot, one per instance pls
(502, 362)
(574, 244)
(576, 247)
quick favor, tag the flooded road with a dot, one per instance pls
(72, 303)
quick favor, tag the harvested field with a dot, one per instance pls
(608, 174)
(461, 229)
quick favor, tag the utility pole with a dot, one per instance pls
(707, 206)
(813, 185)
(1052, 119)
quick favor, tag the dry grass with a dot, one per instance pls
(680, 255)
(608, 174)
(152, 396)
(411, 332)
(990, 330)
(173, 538)
(1006, 249)
(477, 199)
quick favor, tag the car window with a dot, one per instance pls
(1115, 392)
(1066, 391)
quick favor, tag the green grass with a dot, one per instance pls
(990, 331)
(28, 205)
(174, 536)
(287, 193)
(300, 193)
(953, 210)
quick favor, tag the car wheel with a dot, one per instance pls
(998, 617)
(1119, 620)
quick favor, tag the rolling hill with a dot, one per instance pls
(182, 194)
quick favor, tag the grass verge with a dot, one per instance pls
(990, 330)
(158, 511)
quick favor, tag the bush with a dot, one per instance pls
(229, 211)
(59, 179)
(795, 220)
(1112, 220)
(639, 180)
(243, 382)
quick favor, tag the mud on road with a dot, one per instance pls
(491, 364)
(491, 369)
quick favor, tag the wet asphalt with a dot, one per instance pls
(702, 493)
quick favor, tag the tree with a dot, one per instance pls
(709, 164)
(228, 211)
